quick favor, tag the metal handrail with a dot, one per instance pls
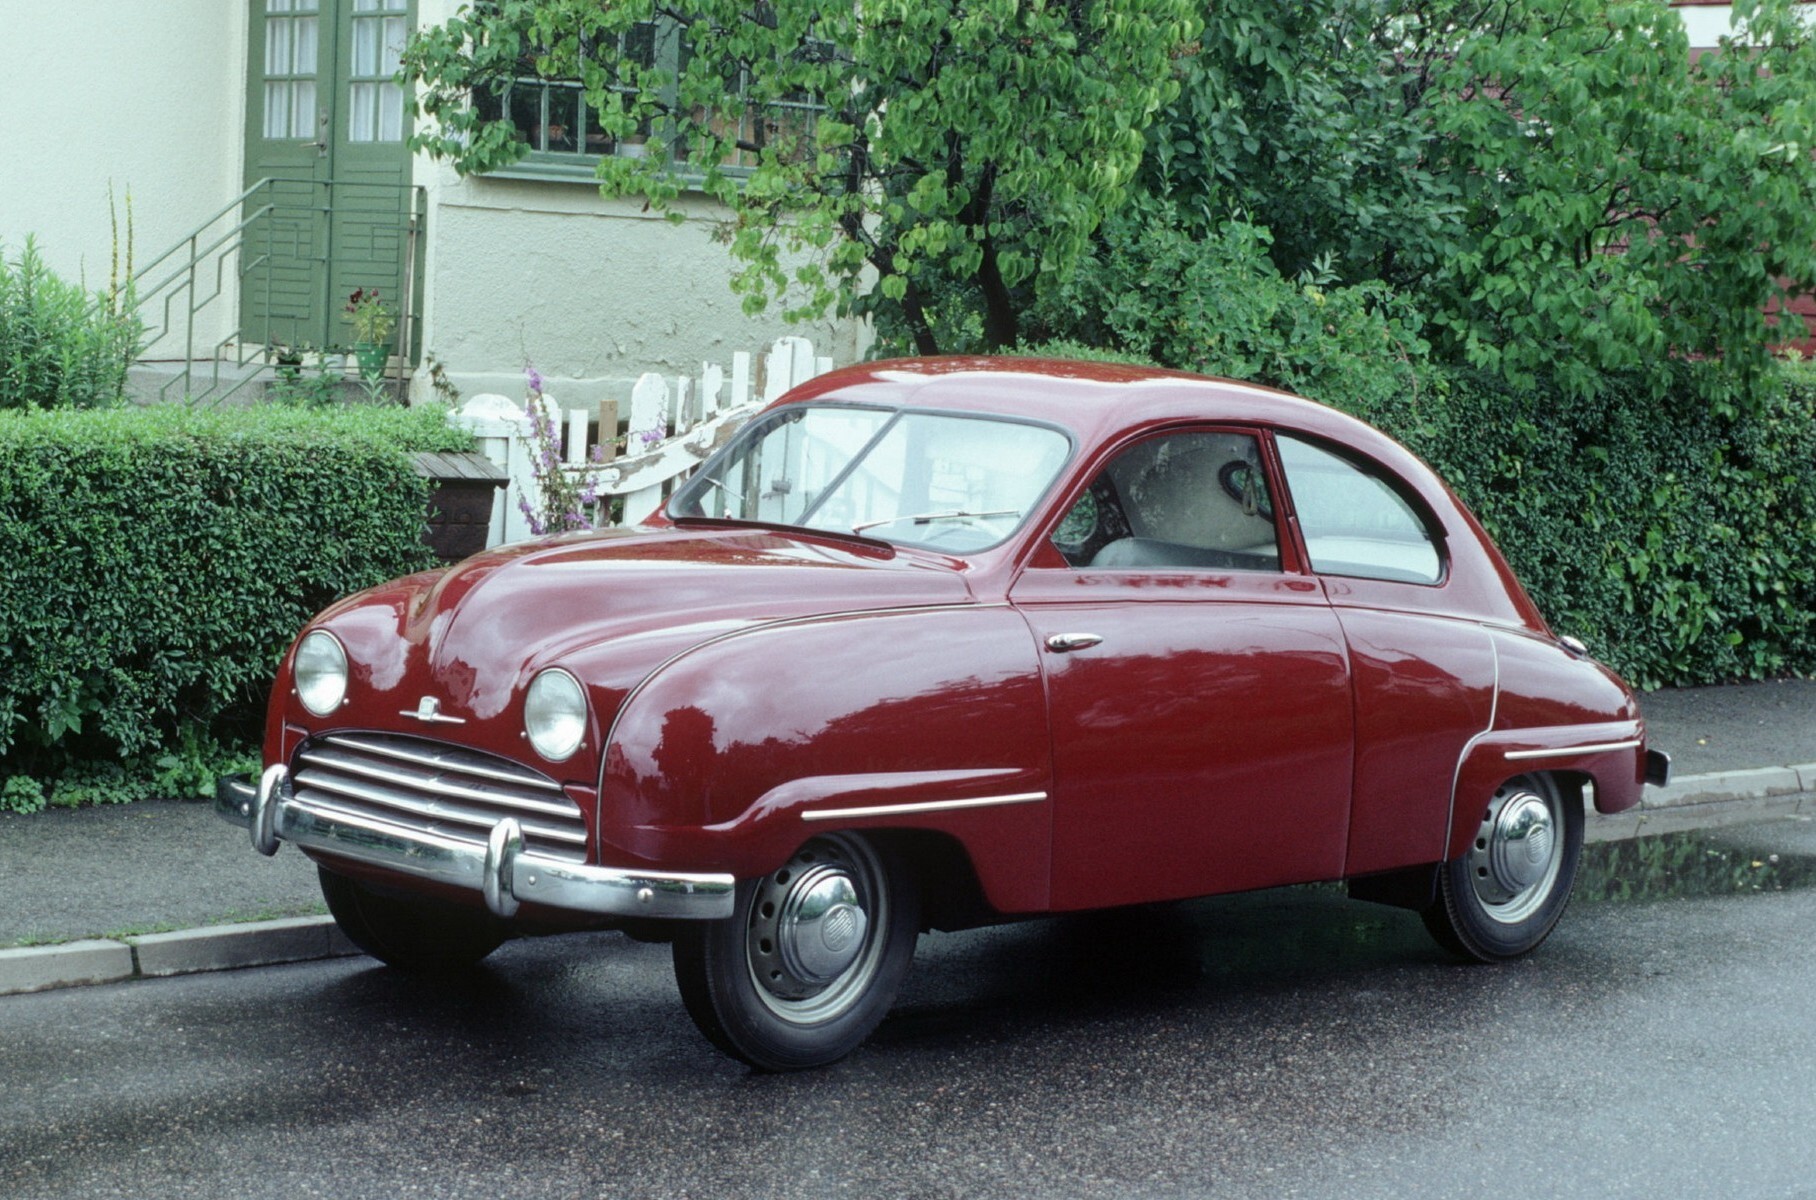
(210, 246)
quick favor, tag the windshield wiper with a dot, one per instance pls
(951, 514)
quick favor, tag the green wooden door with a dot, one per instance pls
(327, 126)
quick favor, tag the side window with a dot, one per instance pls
(1187, 500)
(1354, 522)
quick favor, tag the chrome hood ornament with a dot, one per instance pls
(428, 710)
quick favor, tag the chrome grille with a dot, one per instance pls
(446, 790)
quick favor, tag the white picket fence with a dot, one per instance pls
(670, 427)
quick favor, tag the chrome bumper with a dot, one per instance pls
(502, 870)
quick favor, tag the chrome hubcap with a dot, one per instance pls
(811, 945)
(1517, 852)
(820, 928)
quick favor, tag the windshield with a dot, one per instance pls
(950, 482)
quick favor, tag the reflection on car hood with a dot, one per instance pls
(476, 628)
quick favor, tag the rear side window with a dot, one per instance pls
(1354, 522)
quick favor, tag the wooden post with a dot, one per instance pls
(740, 378)
(575, 450)
(649, 404)
(608, 430)
(712, 382)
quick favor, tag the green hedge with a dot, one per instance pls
(1678, 542)
(154, 564)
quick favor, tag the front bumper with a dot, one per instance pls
(502, 870)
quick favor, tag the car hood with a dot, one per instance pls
(619, 602)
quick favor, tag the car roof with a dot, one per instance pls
(1104, 403)
(1094, 400)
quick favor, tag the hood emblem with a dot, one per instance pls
(428, 710)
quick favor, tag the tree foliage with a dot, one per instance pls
(962, 154)
(1554, 183)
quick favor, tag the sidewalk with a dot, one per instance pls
(102, 894)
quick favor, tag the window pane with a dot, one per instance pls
(277, 46)
(1354, 522)
(365, 5)
(277, 110)
(277, 6)
(365, 47)
(364, 119)
(305, 45)
(396, 33)
(302, 103)
(526, 112)
(390, 113)
(1194, 501)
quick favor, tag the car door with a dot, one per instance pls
(1424, 675)
(1198, 686)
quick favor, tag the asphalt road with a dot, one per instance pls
(1290, 1043)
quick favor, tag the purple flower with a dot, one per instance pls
(534, 379)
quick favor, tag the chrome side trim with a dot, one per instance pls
(502, 869)
(1561, 751)
(926, 806)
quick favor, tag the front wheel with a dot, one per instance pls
(810, 960)
(422, 936)
(1505, 893)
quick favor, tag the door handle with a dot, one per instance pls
(1062, 643)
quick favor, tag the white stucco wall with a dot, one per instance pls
(144, 95)
(592, 292)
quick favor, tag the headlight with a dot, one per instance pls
(321, 673)
(554, 715)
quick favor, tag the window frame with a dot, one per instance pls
(540, 163)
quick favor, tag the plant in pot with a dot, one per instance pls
(373, 322)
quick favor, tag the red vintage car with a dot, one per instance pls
(937, 643)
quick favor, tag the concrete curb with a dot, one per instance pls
(1693, 802)
(214, 948)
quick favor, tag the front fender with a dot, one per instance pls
(737, 751)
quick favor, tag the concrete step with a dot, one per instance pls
(321, 382)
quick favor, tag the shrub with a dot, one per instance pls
(61, 347)
(154, 565)
(1679, 542)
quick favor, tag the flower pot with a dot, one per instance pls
(372, 358)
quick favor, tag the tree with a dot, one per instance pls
(1555, 183)
(934, 163)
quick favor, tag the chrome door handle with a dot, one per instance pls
(1061, 643)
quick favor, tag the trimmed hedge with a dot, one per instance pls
(1678, 542)
(154, 565)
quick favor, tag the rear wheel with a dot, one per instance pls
(810, 960)
(1505, 893)
(422, 936)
